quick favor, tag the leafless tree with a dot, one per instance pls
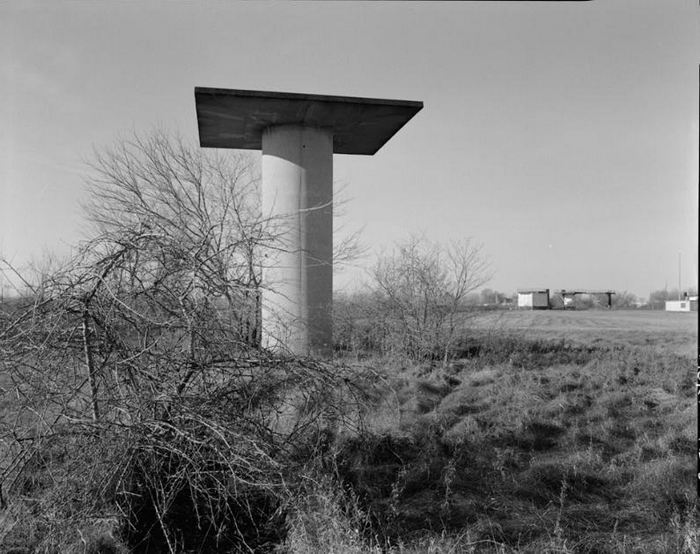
(145, 342)
(422, 286)
(187, 218)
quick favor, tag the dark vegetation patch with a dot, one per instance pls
(537, 436)
(525, 353)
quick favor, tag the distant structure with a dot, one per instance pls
(539, 299)
(569, 295)
(298, 135)
(687, 304)
(533, 299)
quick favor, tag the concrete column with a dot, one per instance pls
(297, 194)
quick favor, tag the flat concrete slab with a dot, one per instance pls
(231, 118)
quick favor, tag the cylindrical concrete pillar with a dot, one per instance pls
(297, 196)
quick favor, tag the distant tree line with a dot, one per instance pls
(658, 298)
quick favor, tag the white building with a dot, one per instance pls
(688, 304)
(534, 299)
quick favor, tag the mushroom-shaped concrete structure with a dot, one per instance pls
(298, 134)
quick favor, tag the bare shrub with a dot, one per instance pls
(417, 304)
(138, 389)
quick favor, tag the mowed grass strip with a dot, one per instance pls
(667, 331)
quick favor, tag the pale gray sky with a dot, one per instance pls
(563, 136)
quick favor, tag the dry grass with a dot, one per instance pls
(555, 438)
(532, 441)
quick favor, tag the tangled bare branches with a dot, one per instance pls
(421, 287)
(137, 389)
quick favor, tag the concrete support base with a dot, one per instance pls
(297, 196)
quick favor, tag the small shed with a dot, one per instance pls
(688, 304)
(533, 299)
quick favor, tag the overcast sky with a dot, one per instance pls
(562, 136)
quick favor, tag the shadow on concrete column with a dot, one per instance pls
(297, 183)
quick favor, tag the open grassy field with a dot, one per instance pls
(670, 331)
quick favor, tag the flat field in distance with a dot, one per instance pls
(670, 331)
